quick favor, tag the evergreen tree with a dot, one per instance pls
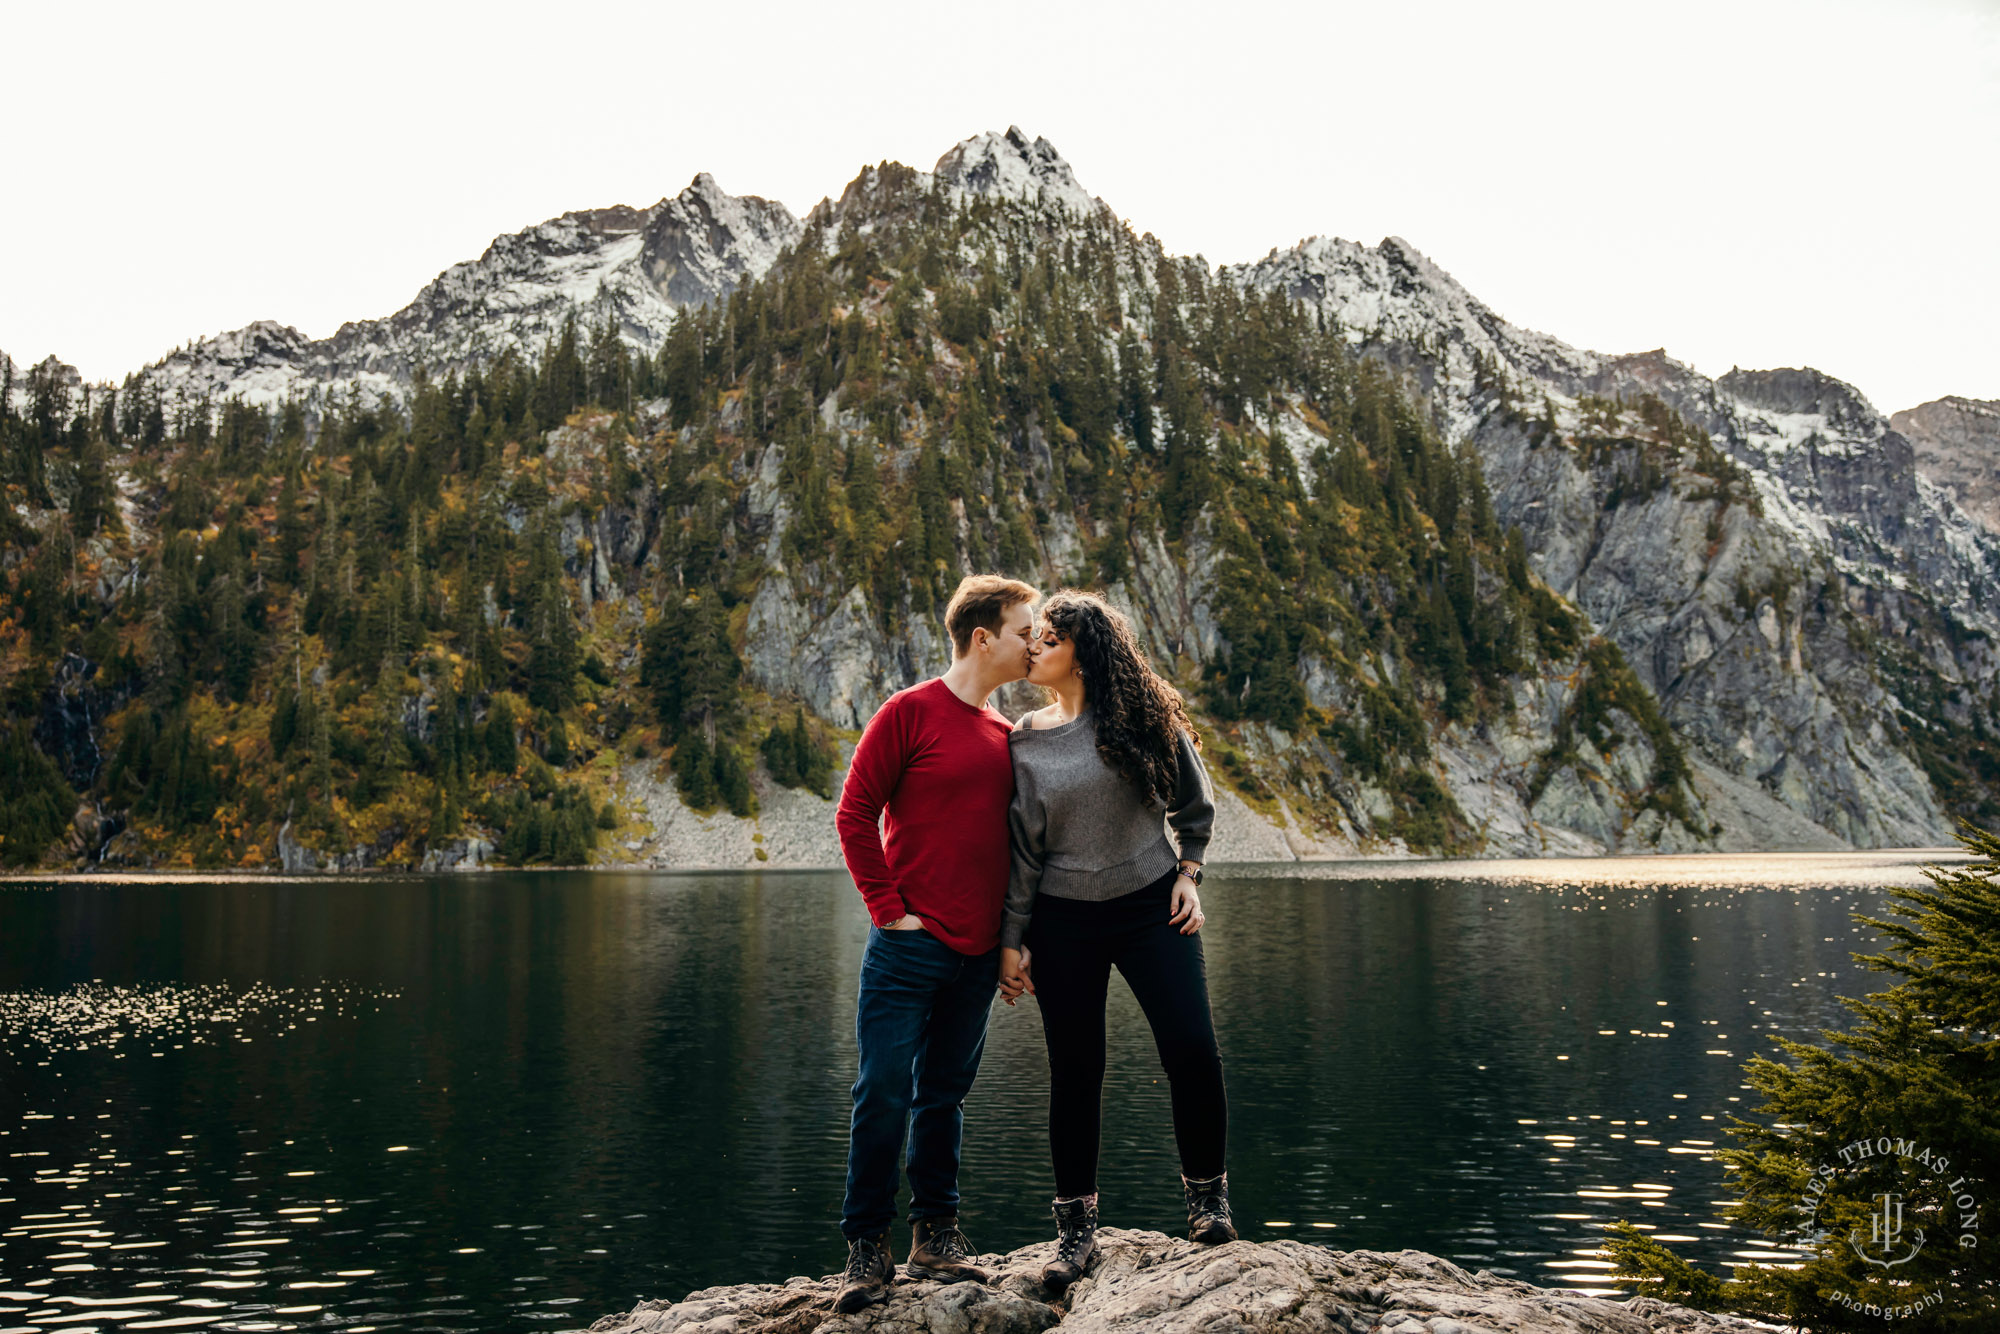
(390, 750)
(794, 757)
(1917, 1065)
(320, 729)
(35, 802)
(561, 380)
(691, 668)
(553, 654)
(293, 535)
(93, 504)
(732, 781)
(694, 771)
(502, 753)
(555, 739)
(781, 757)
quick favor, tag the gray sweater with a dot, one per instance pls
(1081, 830)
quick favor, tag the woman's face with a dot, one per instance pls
(1052, 656)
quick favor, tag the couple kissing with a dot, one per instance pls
(1027, 858)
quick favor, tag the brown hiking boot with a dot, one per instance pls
(939, 1250)
(870, 1271)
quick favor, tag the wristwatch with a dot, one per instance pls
(1194, 875)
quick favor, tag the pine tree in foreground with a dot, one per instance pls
(1894, 1124)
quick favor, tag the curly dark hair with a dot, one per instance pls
(1139, 716)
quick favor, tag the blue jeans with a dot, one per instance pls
(920, 1023)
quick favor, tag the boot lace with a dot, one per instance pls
(1072, 1226)
(864, 1258)
(950, 1244)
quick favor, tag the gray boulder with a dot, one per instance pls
(1162, 1285)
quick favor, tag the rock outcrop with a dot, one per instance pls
(1151, 1282)
(1957, 441)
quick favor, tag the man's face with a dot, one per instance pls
(1011, 646)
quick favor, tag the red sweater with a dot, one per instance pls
(941, 769)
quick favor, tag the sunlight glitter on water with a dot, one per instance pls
(162, 1016)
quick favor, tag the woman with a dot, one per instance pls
(1096, 885)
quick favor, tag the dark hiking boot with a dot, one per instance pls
(939, 1250)
(1076, 1238)
(870, 1271)
(1208, 1210)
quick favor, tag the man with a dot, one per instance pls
(934, 758)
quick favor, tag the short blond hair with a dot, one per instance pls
(981, 602)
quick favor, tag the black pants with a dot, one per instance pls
(1072, 947)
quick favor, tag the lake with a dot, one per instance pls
(522, 1101)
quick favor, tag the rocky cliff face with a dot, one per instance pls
(1796, 592)
(1957, 441)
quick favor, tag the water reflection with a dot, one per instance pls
(436, 1104)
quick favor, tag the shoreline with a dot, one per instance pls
(1365, 867)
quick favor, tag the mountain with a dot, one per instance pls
(1814, 615)
(1958, 446)
(675, 503)
(635, 267)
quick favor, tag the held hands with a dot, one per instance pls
(1185, 906)
(1014, 979)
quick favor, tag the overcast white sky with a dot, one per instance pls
(1757, 183)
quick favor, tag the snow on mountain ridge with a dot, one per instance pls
(1392, 294)
(1832, 471)
(1802, 399)
(990, 166)
(636, 266)
(1009, 166)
